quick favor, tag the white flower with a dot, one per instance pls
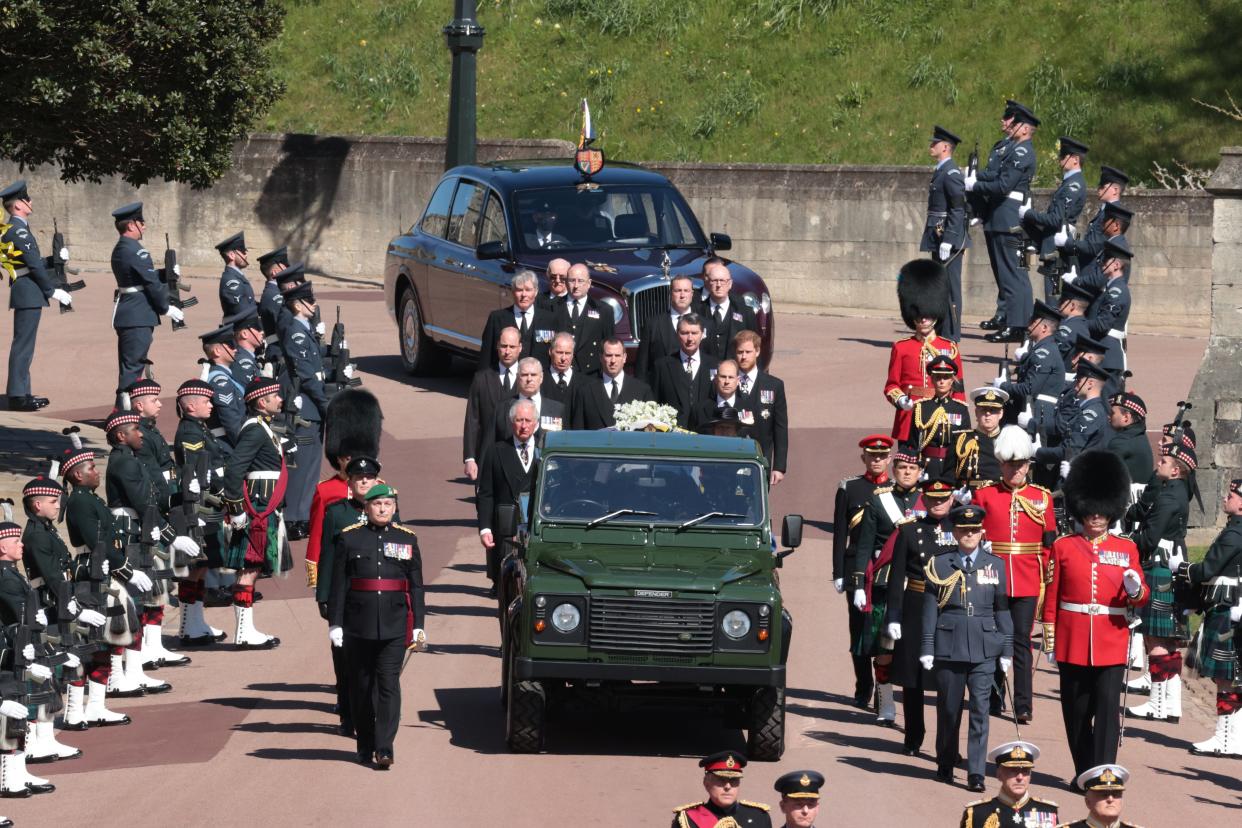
(638, 415)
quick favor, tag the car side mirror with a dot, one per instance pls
(721, 241)
(791, 532)
(492, 250)
(507, 520)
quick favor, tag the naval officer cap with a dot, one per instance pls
(15, 192)
(273, 257)
(989, 396)
(129, 212)
(1071, 147)
(1014, 755)
(939, 133)
(800, 784)
(1107, 777)
(237, 241)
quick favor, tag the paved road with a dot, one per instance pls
(257, 729)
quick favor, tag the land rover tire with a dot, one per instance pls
(765, 740)
(525, 715)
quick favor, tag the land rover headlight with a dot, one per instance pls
(735, 624)
(616, 307)
(751, 301)
(566, 618)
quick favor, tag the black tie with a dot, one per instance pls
(560, 381)
(616, 392)
(504, 380)
(524, 327)
(576, 312)
(524, 453)
(720, 314)
(689, 366)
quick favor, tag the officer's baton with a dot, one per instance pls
(1013, 709)
(1125, 693)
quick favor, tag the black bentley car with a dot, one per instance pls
(483, 223)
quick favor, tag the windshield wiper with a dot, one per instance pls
(618, 513)
(707, 516)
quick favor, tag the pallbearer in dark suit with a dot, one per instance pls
(558, 284)
(684, 379)
(376, 614)
(595, 399)
(588, 319)
(966, 628)
(507, 475)
(659, 334)
(764, 397)
(550, 415)
(492, 383)
(725, 316)
(1013, 805)
(536, 324)
(724, 395)
(560, 380)
(945, 234)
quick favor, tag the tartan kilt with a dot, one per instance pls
(869, 643)
(1158, 614)
(1218, 653)
(238, 553)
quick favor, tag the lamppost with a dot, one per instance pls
(464, 38)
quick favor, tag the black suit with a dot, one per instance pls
(718, 337)
(659, 339)
(766, 401)
(536, 342)
(484, 398)
(592, 409)
(593, 326)
(546, 300)
(705, 411)
(551, 391)
(553, 416)
(674, 387)
(501, 480)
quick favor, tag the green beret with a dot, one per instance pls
(380, 490)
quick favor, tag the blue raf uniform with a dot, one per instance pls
(966, 628)
(1081, 425)
(304, 360)
(141, 299)
(1040, 377)
(946, 224)
(1064, 208)
(228, 396)
(236, 294)
(1072, 327)
(1110, 312)
(1089, 245)
(271, 302)
(30, 288)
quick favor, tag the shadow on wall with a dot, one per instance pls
(298, 197)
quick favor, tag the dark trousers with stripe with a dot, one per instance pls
(1091, 707)
(375, 690)
(21, 351)
(1022, 610)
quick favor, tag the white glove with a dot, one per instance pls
(964, 495)
(1060, 237)
(1235, 613)
(140, 581)
(893, 631)
(1069, 278)
(975, 220)
(860, 599)
(345, 344)
(297, 402)
(91, 618)
(905, 403)
(320, 327)
(72, 661)
(927, 661)
(1024, 419)
(194, 486)
(1132, 582)
(1022, 350)
(998, 382)
(946, 250)
(1051, 657)
(337, 636)
(1176, 559)
(1005, 664)
(1024, 209)
(348, 371)
(969, 180)
(175, 314)
(185, 545)
(239, 521)
(63, 297)
(419, 644)
(41, 617)
(839, 585)
(1065, 468)
(1038, 444)
(39, 671)
(13, 710)
(64, 254)
(28, 652)
(73, 607)
(155, 535)
(103, 566)
(202, 524)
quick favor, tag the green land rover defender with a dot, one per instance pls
(644, 571)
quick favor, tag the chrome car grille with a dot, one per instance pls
(651, 625)
(645, 303)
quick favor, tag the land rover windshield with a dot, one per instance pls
(595, 217)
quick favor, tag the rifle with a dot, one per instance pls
(29, 632)
(90, 589)
(57, 264)
(150, 553)
(287, 422)
(972, 169)
(337, 360)
(184, 519)
(170, 275)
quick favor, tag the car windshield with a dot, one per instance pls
(604, 217)
(681, 491)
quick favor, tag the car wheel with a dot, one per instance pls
(419, 355)
(766, 732)
(524, 716)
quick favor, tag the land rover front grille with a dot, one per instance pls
(651, 625)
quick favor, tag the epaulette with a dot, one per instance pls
(758, 805)
(403, 528)
(352, 526)
(846, 480)
(1044, 801)
(687, 807)
(978, 802)
(879, 490)
(904, 521)
(1043, 489)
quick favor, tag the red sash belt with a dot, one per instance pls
(938, 453)
(389, 585)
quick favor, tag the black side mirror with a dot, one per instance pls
(492, 250)
(507, 520)
(791, 532)
(721, 241)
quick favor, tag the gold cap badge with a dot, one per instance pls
(805, 781)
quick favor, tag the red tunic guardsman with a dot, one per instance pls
(923, 295)
(1021, 526)
(1094, 586)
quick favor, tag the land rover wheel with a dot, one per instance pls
(766, 735)
(507, 649)
(419, 355)
(525, 716)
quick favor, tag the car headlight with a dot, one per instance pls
(751, 301)
(616, 308)
(735, 624)
(566, 618)
(765, 302)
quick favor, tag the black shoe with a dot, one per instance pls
(364, 757)
(346, 729)
(1024, 718)
(201, 640)
(862, 698)
(23, 404)
(491, 593)
(383, 760)
(993, 324)
(124, 720)
(908, 750)
(298, 530)
(271, 644)
(18, 794)
(944, 776)
(1017, 335)
(216, 597)
(46, 787)
(974, 783)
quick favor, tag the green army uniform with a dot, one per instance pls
(49, 566)
(1134, 449)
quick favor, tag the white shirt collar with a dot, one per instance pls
(752, 375)
(502, 369)
(568, 374)
(518, 313)
(724, 306)
(731, 401)
(537, 400)
(693, 358)
(618, 380)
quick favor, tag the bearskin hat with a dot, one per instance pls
(1098, 484)
(922, 290)
(352, 425)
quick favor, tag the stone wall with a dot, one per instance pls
(827, 238)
